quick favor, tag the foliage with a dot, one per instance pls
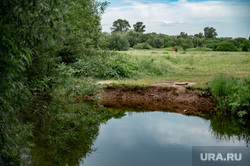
(183, 35)
(139, 27)
(120, 25)
(27, 30)
(133, 37)
(211, 43)
(142, 46)
(101, 64)
(245, 47)
(226, 47)
(227, 127)
(199, 35)
(35, 36)
(210, 32)
(118, 41)
(155, 42)
(232, 94)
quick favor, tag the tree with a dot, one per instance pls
(139, 27)
(120, 26)
(133, 37)
(118, 42)
(210, 32)
(33, 34)
(183, 35)
(200, 35)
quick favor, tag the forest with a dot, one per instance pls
(47, 52)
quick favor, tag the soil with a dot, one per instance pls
(171, 97)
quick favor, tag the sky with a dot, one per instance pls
(230, 18)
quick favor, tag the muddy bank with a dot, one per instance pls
(158, 98)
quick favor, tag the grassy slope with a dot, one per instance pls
(159, 65)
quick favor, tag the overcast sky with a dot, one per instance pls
(230, 18)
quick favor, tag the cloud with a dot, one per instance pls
(191, 17)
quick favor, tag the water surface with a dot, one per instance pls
(156, 138)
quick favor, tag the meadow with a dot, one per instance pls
(159, 65)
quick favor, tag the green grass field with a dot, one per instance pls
(159, 65)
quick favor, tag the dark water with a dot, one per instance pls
(83, 135)
(156, 138)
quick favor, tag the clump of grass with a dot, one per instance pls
(232, 94)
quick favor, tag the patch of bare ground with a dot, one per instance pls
(106, 82)
(171, 97)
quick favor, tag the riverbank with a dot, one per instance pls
(171, 97)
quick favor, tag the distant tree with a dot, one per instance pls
(200, 35)
(210, 32)
(198, 42)
(120, 26)
(139, 27)
(183, 35)
(133, 37)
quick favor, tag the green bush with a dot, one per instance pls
(142, 46)
(102, 64)
(226, 47)
(232, 94)
(245, 47)
(155, 42)
(119, 42)
(133, 37)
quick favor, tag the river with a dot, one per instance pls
(122, 137)
(153, 138)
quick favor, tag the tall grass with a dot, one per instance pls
(232, 94)
(198, 66)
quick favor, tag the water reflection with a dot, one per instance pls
(65, 135)
(107, 137)
(153, 138)
(229, 128)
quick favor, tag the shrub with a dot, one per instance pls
(119, 42)
(102, 64)
(245, 47)
(142, 46)
(155, 42)
(133, 37)
(226, 47)
(232, 94)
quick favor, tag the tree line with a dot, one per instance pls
(122, 37)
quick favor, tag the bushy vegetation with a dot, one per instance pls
(142, 46)
(117, 41)
(232, 94)
(208, 40)
(100, 64)
(183, 41)
(226, 47)
(36, 37)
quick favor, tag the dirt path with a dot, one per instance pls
(172, 97)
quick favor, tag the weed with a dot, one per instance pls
(232, 94)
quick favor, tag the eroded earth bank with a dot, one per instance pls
(171, 97)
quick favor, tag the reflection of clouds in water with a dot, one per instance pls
(164, 129)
